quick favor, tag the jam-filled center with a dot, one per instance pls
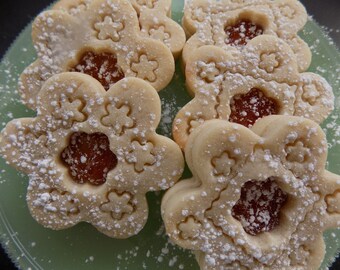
(258, 208)
(242, 32)
(89, 158)
(247, 108)
(103, 67)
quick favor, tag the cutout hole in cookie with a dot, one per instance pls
(102, 66)
(259, 206)
(193, 123)
(63, 201)
(118, 204)
(161, 33)
(141, 154)
(145, 66)
(246, 27)
(332, 202)
(247, 108)
(242, 32)
(119, 116)
(88, 158)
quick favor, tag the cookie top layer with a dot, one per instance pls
(261, 79)
(91, 155)
(262, 204)
(231, 24)
(102, 39)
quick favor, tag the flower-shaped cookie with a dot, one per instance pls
(230, 24)
(260, 80)
(101, 39)
(259, 198)
(92, 155)
(153, 19)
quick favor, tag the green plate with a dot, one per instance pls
(33, 247)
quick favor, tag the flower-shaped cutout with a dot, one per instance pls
(101, 66)
(263, 214)
(310, 94)
(140, 155)
(223, 164)
(145, 68)
(72, 107)
(79, 168)
(240, 33)
(190, 228)
(198, 14)
(119, 123)
(287, 11)
(62, 203)
(195, 123)
(208, 72)
(297, 152)
(159, 33)
(333, 202)
(243, 87)
(109, 29)
(232, 24)
(118, 204)
(269, 62)
(73, 7)
(88, 158)
(265, 199)
(101, 40)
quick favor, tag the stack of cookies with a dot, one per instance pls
(260, 196)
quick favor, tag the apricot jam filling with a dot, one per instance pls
(103, 67)
(242, 32)
(88, 158)
(247, 108)
(258, 208)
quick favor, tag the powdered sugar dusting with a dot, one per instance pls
(160, 254)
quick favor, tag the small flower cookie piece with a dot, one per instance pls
(231, 24)
(154, 19)
(92, 155)
(259, 198)
(96, 37)
(262, 79)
